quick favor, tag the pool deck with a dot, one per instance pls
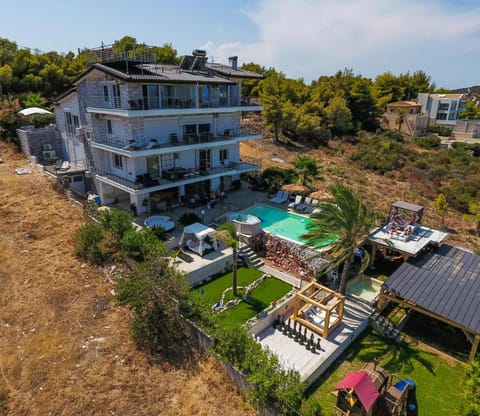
(293, 355)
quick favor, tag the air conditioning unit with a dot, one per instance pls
(88, 134)
(49, 154)
(79, 131)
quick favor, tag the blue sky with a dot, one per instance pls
(302, 38)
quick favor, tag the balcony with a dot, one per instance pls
(170, 143)
(172, 178)
(171, 105)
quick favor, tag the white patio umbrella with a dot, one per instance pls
(33, 110)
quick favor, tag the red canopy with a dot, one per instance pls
(363, 386)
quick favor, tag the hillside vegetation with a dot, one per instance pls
(65, 346)
(414, 174)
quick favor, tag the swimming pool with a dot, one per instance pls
(282, 223)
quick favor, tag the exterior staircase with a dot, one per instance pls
(382, 324)
(251, 258)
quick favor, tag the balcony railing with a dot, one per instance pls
(152, 103)
(172, 140)
(178, 174)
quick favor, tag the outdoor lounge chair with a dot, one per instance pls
(185, 257)
(315, 203)
(306, 206)
(298, 201)
(280, 198)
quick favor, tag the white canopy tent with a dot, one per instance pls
(34, 110)
(199, 232)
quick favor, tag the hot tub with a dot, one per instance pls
(246, 224)
(365, 289)
(159, 221)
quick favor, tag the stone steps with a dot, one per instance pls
(382, 324)
(251, 258)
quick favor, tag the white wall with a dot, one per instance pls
(160, 129)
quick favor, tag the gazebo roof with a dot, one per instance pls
(408, 206)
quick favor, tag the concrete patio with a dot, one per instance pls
(293, 355)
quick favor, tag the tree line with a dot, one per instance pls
(330, 106)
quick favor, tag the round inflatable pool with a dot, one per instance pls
(245, 223)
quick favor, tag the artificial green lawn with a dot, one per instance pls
(262, 296)
(438, 380)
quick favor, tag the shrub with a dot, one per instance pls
(138, 245)
(440, 130)
(427, 142)
(42, 120)
(116, 220)
(276, 177)
(383, 152)
(461, 192)
(189, 218)
(274, 387)
(160, 232)
(87, 243)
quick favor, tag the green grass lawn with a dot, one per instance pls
(438, 380)
(262, 296)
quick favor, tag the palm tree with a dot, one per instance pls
(227, 234)
(306, 169)
(347, 218)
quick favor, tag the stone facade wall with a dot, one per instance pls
(32, 140)
(289, 256)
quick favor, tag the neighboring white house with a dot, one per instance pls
(442, 109)
(156, 135)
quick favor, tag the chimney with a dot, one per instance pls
(233, 62)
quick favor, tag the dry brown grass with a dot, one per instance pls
(64, 345)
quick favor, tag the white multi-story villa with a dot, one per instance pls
(443, 109)
(156, 135)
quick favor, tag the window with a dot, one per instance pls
(151, 96)
(76, 178)
(223, 154)
(109, 127)
(105, 93)
(204, 128)
(116, 96)
(118, 161)
(76, 121)
(441, 116)
(68, 122)
(443, 107)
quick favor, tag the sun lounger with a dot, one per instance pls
(280, 198)
(298, 201)
(185, 257)
(306, 206)
(195, 247)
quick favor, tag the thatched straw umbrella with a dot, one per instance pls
(321, 195)
(294, 188)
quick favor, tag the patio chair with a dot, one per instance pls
(306, 206)
(298, 201)
(280, 198)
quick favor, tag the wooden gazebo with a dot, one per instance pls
(319, 308)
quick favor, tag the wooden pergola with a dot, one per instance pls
(444, 285)
(318, 308)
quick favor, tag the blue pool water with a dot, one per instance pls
(282, 223)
